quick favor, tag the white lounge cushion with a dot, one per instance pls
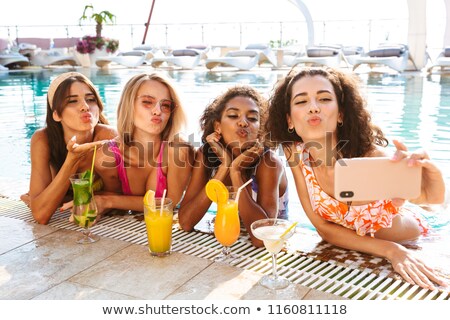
(348, 51)
(242, 53)
(185, 52)
(135, 53)
(144, 47)
(387, 52)
(316, 52)
(27, 46)
(447, 52)
(197, 46)
(257, 46)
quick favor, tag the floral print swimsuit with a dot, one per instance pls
(364, 219)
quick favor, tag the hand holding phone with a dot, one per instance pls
(369, 179)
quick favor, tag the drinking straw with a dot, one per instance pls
(288, 229)
(162, 202)
(240, 189)
(92, 168)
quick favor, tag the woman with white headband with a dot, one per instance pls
(74, 125)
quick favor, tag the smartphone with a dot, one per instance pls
(369, 179)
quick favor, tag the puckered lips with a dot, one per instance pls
(314, 121)
(156, 120)
(86, 117)
(243, 133)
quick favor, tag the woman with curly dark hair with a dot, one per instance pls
(232, 153)
(318, 115)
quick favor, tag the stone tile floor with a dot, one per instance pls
(44, 262)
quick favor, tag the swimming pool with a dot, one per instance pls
(411, 107)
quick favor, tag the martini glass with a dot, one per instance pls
(273, 233)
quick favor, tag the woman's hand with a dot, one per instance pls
(247, 158)
(414, 270)
(26, 199)
(214, 142)
(77, 151)
(433, 186)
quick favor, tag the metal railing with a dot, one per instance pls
(366, 33)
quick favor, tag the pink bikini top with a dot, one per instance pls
(161, 179)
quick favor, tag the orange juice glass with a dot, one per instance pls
(159, 227)
(227, 225)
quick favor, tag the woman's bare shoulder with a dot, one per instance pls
(40, 137)
(181, 146)
(105, 132)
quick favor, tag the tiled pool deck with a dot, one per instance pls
(44, 262)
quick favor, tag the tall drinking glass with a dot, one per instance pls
(227, 226)
(84, 210)
(158, 221)
(272, 233)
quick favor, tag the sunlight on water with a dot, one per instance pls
(414, 108)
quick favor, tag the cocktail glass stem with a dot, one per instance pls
(226, 251)
(226, 256)
(88, 237)
(274, 266)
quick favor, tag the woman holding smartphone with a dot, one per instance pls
(326, 120)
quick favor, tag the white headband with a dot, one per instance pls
(60, 79)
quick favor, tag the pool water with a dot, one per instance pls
(411, 107)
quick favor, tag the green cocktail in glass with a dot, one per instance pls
(84, 209)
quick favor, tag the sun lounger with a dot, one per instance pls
(129, 59)
(393, 56)
(150, 52)
(242, 60)
(46, 52)
(187, 58)
(352, 53)
(289, 55)
(252, 55)
(442, 61)
(321, 55)
(184, 58)
(10, 59)
(14, 60)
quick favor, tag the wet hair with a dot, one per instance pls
(213, 113)
(55, 131)
(125, 110)
(362, 135)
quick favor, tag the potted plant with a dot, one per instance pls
(93, 44)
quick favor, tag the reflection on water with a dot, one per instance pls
(413, 108)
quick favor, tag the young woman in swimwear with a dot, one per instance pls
(74, 124)
(231, 153)
(148, 153)
(321, 108)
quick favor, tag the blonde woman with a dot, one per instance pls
(148, 153)
(74, 124)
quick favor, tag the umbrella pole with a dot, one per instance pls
(148, 22)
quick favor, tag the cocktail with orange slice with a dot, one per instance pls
(227, 225)
(158, 215)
